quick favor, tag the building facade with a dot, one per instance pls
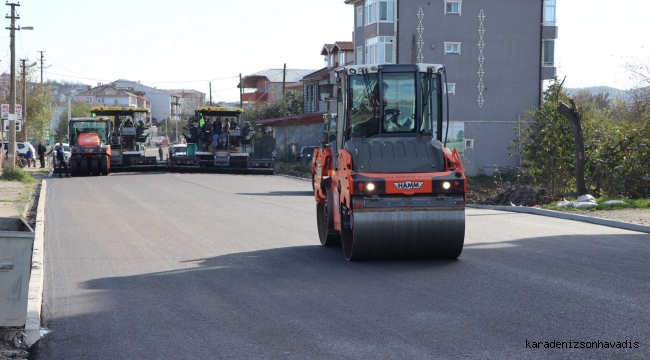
(320, 87)
(497, 54)
(110, 95)
(266, 85)
(163, 103)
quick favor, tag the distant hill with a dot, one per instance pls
(613, 92)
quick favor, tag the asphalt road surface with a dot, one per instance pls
(201, 266)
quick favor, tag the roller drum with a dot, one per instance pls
(405, 234)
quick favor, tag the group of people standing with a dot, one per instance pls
(40, 150)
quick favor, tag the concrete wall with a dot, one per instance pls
(303, 135)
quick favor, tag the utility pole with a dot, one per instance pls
(210, 93)
(241, 93)
(23, 130)
(11, 151)
(41, 64)
(284, 111)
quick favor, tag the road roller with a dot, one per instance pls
(385, 184)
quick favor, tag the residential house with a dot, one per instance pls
(266, 85)
(320, 86)
(497, 54)
(110, 95)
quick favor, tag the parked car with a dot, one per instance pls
(305, 154)
(21, 147)
(179, 149)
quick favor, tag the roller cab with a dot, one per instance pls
(391, 190)
(90, 150)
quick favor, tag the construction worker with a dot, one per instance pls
(201, 121)
(217, 126)
(60, 157)
(160, 152)
(41, 150)
(139, 130)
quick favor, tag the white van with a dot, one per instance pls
(21, 147)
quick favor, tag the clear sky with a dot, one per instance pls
(186, 44)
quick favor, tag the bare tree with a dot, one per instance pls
(574, 117)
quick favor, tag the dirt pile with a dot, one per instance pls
(297, 170)
(521, 195)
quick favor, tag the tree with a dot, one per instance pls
(545, 143)
(40, 109)
(574, 117)
(292, 103)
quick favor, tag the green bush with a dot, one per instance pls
(13, 173)
(617, 145)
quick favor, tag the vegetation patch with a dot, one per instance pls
(14, 173)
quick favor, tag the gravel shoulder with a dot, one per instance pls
(633, 216)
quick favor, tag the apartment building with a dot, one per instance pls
(497, 54)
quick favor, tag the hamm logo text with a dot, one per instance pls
(408, 185)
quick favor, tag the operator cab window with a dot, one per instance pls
(396, 102)
(364, 112)
(399, 103)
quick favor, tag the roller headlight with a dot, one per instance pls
(370, 186)
(446, 185)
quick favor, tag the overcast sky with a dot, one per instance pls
(186, 44)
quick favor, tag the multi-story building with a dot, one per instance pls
(320, 86)
(110, 95)
(497, 54)
(164, 105)
(185, 102)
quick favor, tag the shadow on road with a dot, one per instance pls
(308, 302)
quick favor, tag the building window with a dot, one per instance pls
(386, 11)
(549, 12)
(453, 7)
(342, 58)
(452, 48)
(379, 50)
(265, 86)
(359, 55)
(359, 16)
(371, 11)
(451, 88)
(310, 93)
(548, 53)
(89, 100)
(469, 144)
(379, 10)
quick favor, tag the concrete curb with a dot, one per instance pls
(562, 215)
(35, 299)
